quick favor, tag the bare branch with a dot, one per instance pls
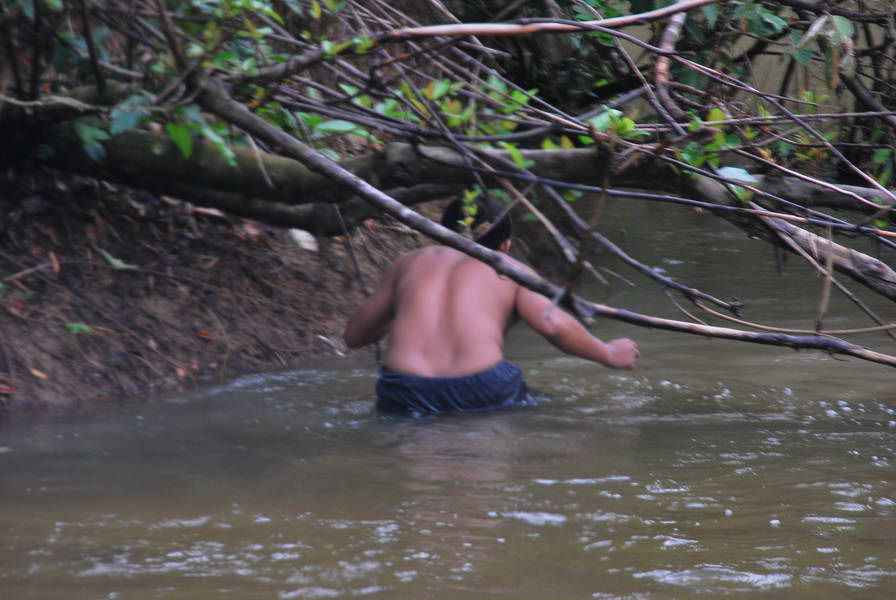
(215, 99)
(511, 29)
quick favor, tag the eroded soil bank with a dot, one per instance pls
(109, 295)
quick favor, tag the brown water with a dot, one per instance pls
(715, 469)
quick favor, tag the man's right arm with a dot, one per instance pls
(374, 317)
(570, 336)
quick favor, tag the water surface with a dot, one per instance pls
(714, 469)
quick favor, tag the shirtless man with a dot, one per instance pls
(446, 314)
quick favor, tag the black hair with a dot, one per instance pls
(487, 228)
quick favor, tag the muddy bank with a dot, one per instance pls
(109, 295)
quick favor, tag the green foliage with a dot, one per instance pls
(711, 13)
(116, 263)
(587, 10)
(470, 209)
(739, 174)
(189, 122)
(235, 39)
(572, 195)
(92, 135)
(79, 329)
(516, 155)
(758, 18)
(129, 113)
(181, 136)
(883, 165)
(612, 121)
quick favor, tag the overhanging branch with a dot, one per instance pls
(215, 99)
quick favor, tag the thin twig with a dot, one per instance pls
(215, 99)
(828, 279)
(91, 49)
(357, 266)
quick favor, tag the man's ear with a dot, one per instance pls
(505, 247)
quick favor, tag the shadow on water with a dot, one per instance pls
(715, 469)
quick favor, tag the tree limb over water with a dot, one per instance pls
(375, 106)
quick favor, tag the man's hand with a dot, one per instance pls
(623, 353)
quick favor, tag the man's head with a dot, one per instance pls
(482, 218)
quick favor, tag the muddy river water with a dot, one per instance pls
(714, 469)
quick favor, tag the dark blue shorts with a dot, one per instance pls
(498, 387)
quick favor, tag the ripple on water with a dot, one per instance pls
(533, 518)
(706, 576)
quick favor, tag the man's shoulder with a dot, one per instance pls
(433, 252)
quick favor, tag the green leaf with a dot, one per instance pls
(224, 58)
(572, 195)
(91, 138)
(116, 263)
(738, 174)
(716, 114)
(882, 155)
(192, 113)
(181, 136)
(711, 12)
(744, 195)
(218, 142)
(518, 159)
(441, 88)
(843, 26)
(335, 6)
(625, 126)
(79, 329)
(606, 119)
(311, 120)
(884, 178)
(266, 10)
(880, 223)
(785, 149)
(128, 114)
(329, 153)
(693, 154)
(337, 126)
(801, 51)
(777, 23)
(363, 45)
(27, 7)
(54, 5)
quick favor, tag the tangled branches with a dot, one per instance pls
(264, 109)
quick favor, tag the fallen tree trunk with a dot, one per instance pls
(867, 270)
(282, 191)
(215, 99)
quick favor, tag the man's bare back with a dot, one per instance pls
(446, 314)
(451, 312)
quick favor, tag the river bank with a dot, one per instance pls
(107, 295)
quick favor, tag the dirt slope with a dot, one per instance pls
(109, 295)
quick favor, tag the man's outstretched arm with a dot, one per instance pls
(570, 336)
(373, 318)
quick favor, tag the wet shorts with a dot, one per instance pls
(498, 387)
